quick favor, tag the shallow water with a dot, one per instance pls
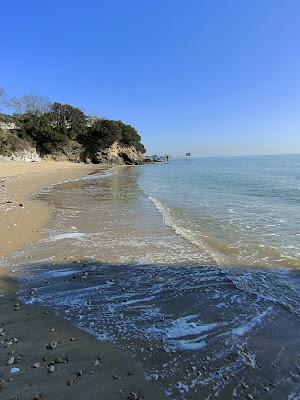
(195, 328)
(241, 210)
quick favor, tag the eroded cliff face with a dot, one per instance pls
(118, 154)
(115, 154)
(30, 155)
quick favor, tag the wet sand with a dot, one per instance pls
(51, 357)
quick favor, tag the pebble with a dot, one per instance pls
(97, 363)
(79, 373)
(10, 361)
(70, 382)
(135, 396)
(36, 365)
(51, 369)
(51, 345)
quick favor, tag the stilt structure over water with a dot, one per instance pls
(188, 156)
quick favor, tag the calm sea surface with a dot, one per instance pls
(240, 210)
(191, 267)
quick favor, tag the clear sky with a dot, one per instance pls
(213, 77)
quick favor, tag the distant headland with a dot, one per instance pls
(38, 129)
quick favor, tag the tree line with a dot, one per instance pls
(60, 129)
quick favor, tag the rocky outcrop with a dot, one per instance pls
(118, 154)
(23, 155)
(115, 154)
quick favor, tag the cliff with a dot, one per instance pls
(120, 154)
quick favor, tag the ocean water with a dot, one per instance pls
(243, 211)
(191, 267)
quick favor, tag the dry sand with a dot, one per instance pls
(83, 367)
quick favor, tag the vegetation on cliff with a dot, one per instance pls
(61, 130)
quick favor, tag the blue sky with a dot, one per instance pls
(214, 77)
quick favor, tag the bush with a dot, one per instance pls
(10, 143)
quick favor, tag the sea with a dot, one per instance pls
(190, 266)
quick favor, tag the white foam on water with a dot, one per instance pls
(183, 327)
(180, 230)
(67, 235)
(247, 327)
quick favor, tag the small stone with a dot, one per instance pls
(72, 339)
(51, 345)
(79, 373)
(97, 363)
(58, 360)
(51, 369)
(36, 365)
(10, 361)
(117, 377)
(70, 382)
(250, 397)
(135, 396)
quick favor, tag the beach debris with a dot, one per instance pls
(58, 360)
(116, 377)
(10, 361)
(248, 359)
(51, 369)
(21, 205)
(14, 370)
(36, 365)
(70, 382)
(130, 373)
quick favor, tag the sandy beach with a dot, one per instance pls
(43, 356)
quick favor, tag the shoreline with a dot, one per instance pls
(78, 358)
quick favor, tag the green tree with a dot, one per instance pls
(68, 118)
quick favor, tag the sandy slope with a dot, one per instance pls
(83, 367)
